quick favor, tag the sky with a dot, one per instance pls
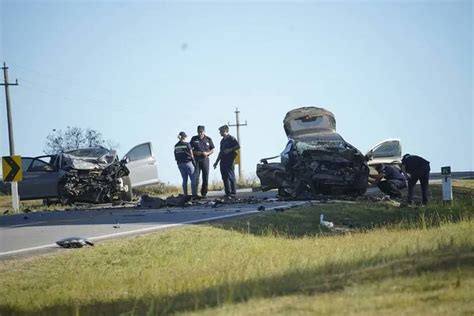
(139, 71)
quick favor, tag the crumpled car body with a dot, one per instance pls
(92, 175)
(316, 159)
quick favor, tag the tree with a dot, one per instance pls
(75, 137)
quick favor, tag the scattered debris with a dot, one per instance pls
(6, 212)
(324, 223)
(74, 242)
(147, 201)
(261, 208)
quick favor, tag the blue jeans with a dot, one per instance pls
(187, 170)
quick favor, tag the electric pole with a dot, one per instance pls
(14, 184)
(237, 124)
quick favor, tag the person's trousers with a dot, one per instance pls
(424, 178)
(391, 187)
(187, 171)
(202, 165)
(228, 177)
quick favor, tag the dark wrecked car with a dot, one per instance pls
(92, 175)
(316, 159)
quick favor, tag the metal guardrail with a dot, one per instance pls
(454, 175)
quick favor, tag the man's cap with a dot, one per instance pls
(224, 127)
(201, 128)
(182, 134)
(406, 156)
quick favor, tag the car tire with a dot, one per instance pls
(127, 195)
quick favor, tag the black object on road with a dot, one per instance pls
(74, 242)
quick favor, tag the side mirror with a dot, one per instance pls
(125, 159)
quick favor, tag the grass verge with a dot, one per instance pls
(391, 261)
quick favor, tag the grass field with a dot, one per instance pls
(386, 260)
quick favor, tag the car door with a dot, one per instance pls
(40, 179)
(142, 165)
(388, 151)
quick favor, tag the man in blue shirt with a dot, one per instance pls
(203, 147)
(389, 180)
(228, 151)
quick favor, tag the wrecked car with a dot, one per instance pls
(92, 175)
(316, 159)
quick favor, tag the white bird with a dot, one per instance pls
(324, 223)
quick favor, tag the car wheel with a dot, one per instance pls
(127, 194)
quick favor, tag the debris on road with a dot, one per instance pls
(74, 242)
(261, 208)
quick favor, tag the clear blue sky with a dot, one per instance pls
(145, 70)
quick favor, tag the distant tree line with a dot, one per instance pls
(75, 137)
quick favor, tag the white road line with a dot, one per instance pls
(27, 224)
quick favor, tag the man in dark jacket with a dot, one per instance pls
(203, 147)
(227, 154)
(389, 180)
(417, 168)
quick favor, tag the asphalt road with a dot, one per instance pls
(28, 234)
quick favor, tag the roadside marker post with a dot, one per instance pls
(447, 184)
(11, 170)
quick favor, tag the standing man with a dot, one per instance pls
(389, 180)
(417, 168)
(185, 159)
(203, 147)
(227, 154)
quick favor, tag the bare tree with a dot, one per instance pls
(75, 137)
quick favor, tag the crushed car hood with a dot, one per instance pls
(88, 159)
(308, 120)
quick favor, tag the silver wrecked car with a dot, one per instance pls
(316, 159)
(93, 175)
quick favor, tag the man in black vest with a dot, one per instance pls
(417, 168)
(227, 154)
(203, 147)
(185, 159)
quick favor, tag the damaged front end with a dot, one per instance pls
(91, 179)
(314, 171)
(316, 160)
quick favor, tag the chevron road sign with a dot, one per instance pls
(12, 168)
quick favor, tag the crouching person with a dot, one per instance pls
(185, 159)
(390, 180)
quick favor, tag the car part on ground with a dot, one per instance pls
(74, 242)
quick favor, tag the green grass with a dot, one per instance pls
(388, 260)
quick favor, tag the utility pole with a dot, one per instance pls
(14, 184)
(237, 124)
